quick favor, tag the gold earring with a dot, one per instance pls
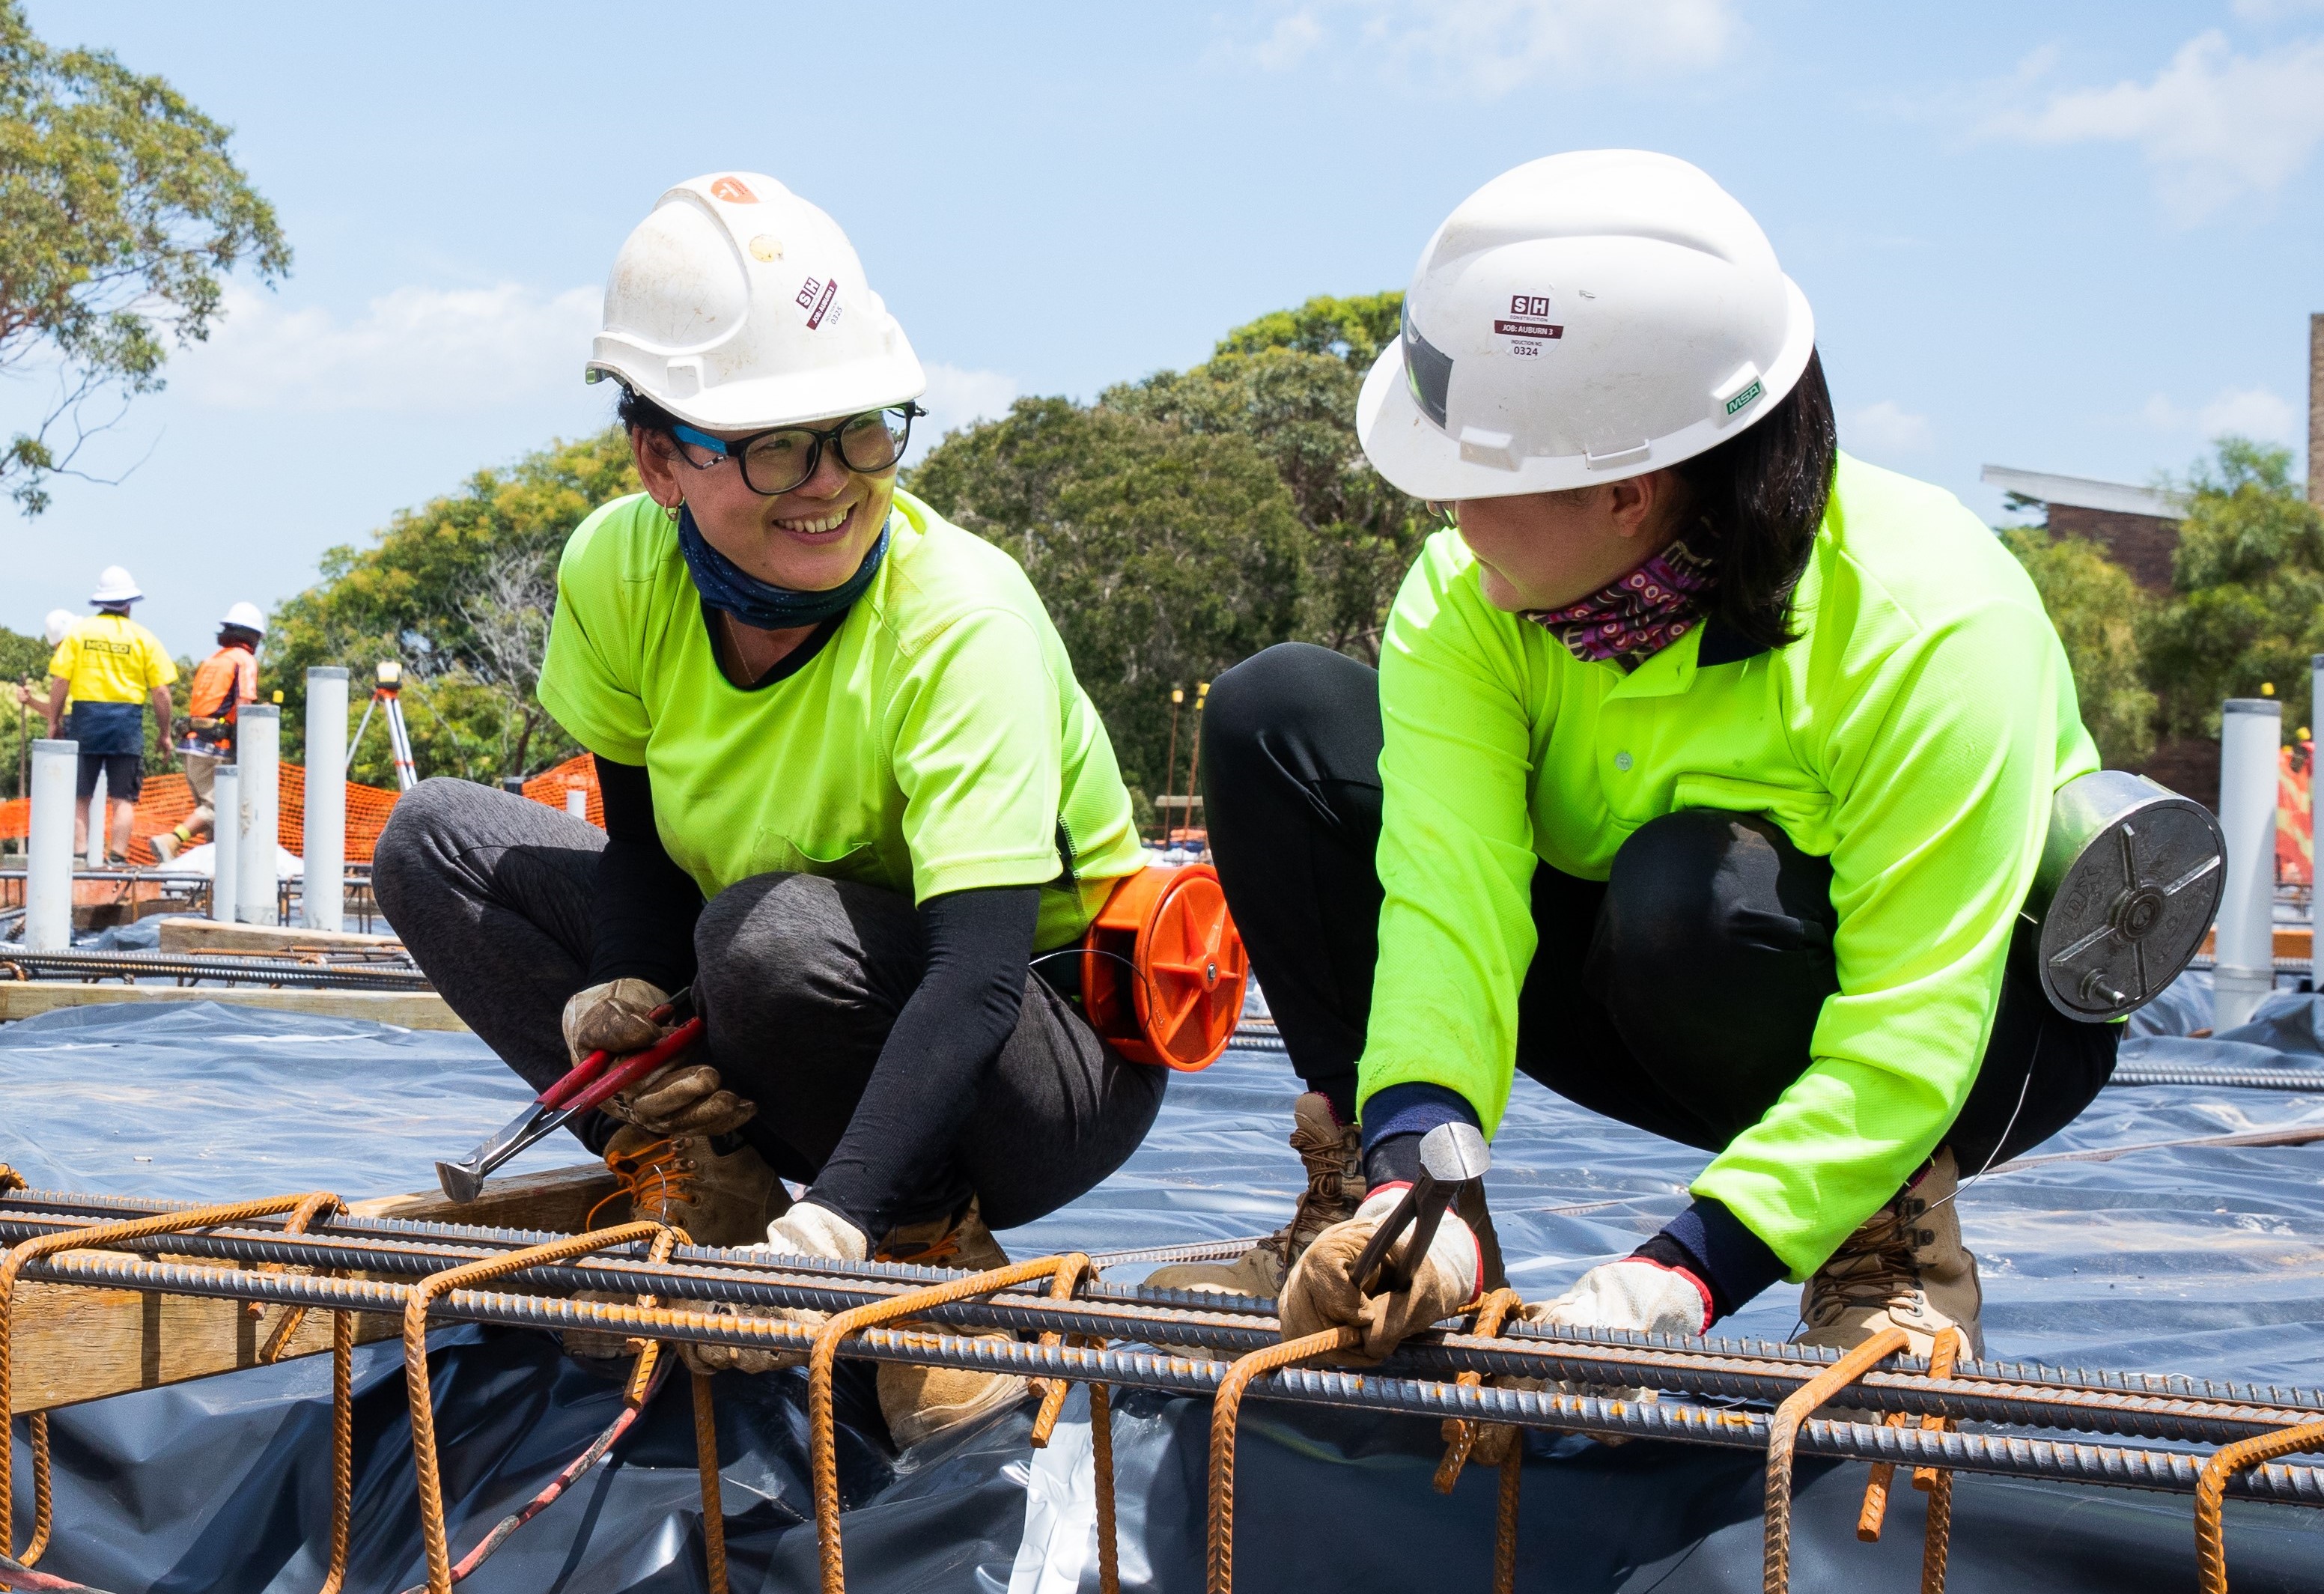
(671, 510)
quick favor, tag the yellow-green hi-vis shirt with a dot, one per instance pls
(111, 659)
(938, 743)
(1913, 735)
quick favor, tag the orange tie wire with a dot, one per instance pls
(1461, 1433)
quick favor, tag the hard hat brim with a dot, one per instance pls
(1422, 459)
(788, 400)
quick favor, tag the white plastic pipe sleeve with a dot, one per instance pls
(226, 837)
(323, 881)
(2250, 732)
(49, 851)
(258, 749)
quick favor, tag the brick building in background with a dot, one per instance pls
(2138, 528)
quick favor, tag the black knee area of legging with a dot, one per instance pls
(1712, 954)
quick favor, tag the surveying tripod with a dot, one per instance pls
(385, 695)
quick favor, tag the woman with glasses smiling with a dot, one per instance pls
(852, 789)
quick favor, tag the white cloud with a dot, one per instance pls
(2245, 412)
(1887, 428)
(2213, 125)
(958, 398)
(1493, 46)
(414, 349)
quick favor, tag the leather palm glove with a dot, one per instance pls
(1322, 1292)
(680, 1098)
(805, 1230)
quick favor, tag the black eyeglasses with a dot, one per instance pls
(780, 459)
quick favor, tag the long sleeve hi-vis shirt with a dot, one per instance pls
(1913, 735)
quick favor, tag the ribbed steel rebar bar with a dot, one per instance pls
(2169, 1471)
(1707, 1370)
(164, 965)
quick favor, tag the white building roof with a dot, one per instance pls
(2081, 492)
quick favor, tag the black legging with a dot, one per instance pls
(1678, 996)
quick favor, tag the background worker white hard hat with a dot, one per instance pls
(1583, 318)
(737, 305)
(245, 615)
(60, 620)
(115, 585)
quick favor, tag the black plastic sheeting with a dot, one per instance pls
(2203, 1261)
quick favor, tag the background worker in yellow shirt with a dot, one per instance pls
(109, 666)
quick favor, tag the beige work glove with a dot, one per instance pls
(805, 1230)
(1635, 1295)
(680, 1098)
(1322, 1292)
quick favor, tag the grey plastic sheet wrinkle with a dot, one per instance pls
(2208, 1262)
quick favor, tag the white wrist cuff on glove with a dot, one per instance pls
(1454, 1249)
(810, 1230)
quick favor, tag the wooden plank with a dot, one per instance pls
(2290, 940)
(207, 935)
(557, 1201)
(413, 1009)
(68, 1344)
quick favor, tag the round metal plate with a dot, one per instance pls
(2136, 873)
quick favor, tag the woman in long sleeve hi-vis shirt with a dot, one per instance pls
(1703, 779)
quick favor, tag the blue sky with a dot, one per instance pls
(2069, 237)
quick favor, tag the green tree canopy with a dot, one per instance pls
(1164, 555)
(2246, 606)
(460, 592)
(121, 214)
(2098, 610)
(1288, 381)
(1352, 331)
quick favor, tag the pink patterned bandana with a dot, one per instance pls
(1637, 615)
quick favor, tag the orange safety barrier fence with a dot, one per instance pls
(551, 784)
(166, 799)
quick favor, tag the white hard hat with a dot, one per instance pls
(60, 622)
(245, 615)
(115, 585)
(738, 305)
(1583, 318)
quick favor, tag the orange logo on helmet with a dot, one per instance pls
(734, 190)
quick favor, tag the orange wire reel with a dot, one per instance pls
(1163, 969)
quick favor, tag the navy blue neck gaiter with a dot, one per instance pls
(727, 586)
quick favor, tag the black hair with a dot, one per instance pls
(228, 635)
(1761, 495)
(636, 412)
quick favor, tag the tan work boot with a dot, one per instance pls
(1905, 1267)
(683, 1180)
(1333, 1156)
(922, 1402)
(165, 845)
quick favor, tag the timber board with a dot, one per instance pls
(413, 1009)
(69, 1344)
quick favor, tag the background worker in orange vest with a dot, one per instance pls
(108, 667)
(222, 683)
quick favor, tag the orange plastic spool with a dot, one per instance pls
(1163, 969)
